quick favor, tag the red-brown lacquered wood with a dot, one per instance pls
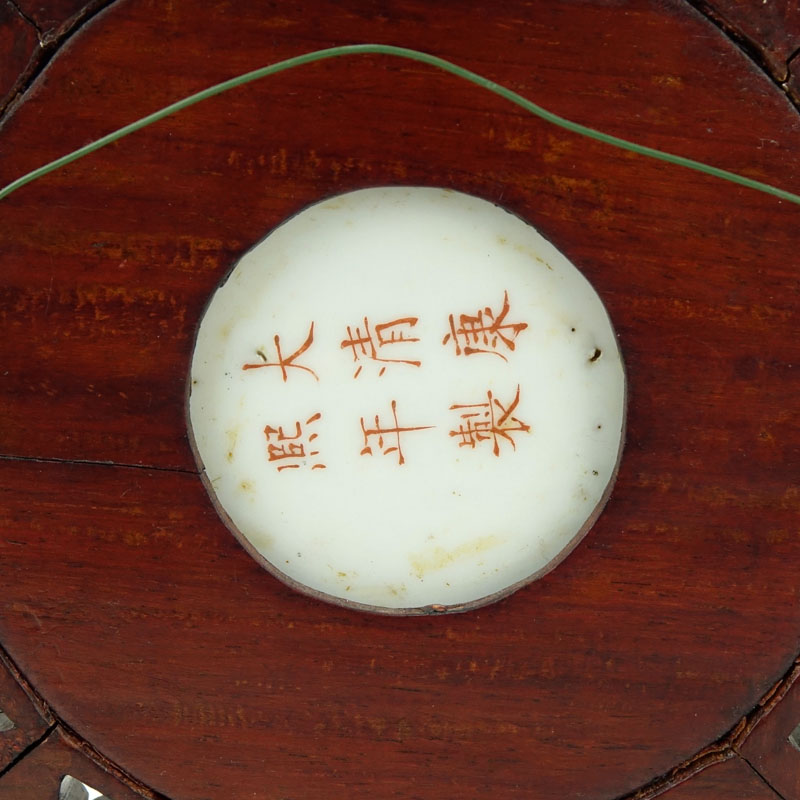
(237, 678)
(133, 610)
(769, 748)
(731, 780)
(28, 724)
(39, 775)
(18, 49)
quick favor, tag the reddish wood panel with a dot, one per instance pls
(730, 779)
(772, 29)
(28, 723)
(769, 750)
(117, 584)
(19, 47)
(101, 302)
(40, 773)
(132, 608)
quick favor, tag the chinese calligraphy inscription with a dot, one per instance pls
(394, 432)
(285, 363)
(489, 422)
(366, 345)
(484, 331)
(289, 449)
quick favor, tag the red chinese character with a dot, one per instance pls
(381, 432)
(366, 345)
(489, 422)
(290, 449)
(286, 363)
(484, 332)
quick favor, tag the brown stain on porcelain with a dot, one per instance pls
(439, 558)
(233, 436)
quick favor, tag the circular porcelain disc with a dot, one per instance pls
(406, 399)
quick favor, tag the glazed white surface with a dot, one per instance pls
(451, 524)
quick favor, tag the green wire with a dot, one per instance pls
(413, 55)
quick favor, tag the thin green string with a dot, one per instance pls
(413, 55)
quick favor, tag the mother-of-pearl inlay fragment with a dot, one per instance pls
(406, 400)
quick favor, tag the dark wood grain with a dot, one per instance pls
(131, 607)
(793, 81)
(40, 773)
(19, 47)
(771, 30)
(30, 35)
(54, 18)
(200, 650)
(730, 780)
(769, 750)
(29, 725)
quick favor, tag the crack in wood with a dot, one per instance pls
(29, 20)
(93, 463)
(49, 45)
(28, 750)
(727, 747)
(762, 779)
(792, 83)
(30, 68)
(753, 49)
(38, 702)
(750, 47)
(68, 735)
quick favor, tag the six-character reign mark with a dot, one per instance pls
(484, 332)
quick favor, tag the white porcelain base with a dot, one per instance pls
(406, 399)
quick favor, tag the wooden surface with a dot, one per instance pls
(769, 31)
(39, 775)
(53, 18)
(31, 32)
(18, 44)
(129, 606)
(732, 780)
(769, 750)
(29, 725)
